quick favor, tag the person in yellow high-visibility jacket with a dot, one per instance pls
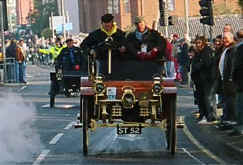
(54, 51)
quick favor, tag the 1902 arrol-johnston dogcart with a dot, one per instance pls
(138, 100)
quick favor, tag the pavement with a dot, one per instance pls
(214, 137)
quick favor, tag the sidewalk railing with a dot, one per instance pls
(8, 71)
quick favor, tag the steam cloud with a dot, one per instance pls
(18, 139)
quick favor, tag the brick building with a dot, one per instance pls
(23, 8)
(125, 10)
(220, 7)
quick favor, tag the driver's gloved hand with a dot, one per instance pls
(77, 67)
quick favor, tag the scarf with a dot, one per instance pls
(110, 33)
(139, 35)
(221, 63)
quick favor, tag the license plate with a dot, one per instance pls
(129, 130)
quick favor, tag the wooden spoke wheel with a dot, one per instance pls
(85, 108)
(172, 126)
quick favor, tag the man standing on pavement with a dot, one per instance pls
(203, 79)
(225, 68)
(237, 72)
(218, 50)
(183, 59)
(21, 57)
(11, 55)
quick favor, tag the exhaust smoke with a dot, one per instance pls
(18, 139)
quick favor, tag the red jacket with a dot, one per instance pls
(168, 51)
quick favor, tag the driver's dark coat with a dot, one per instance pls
(95, 40)
(64, 60)
(97, 37)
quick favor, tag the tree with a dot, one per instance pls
(46, 33)
(241, 3)
(39, 18)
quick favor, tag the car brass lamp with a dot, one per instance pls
(128, 98)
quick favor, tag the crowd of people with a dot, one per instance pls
(216, 73)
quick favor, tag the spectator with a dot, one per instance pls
(183, 60)
(11, 55)
(227, 28)
(170, 65)
(21, 55)
(175, 42)
(225, 68)
(218, 50)
(237, 72)
(201, 76)
(191, 54)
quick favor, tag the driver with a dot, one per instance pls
(71, 59)
(97, 40)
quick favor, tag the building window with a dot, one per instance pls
(127, 7)
(171, 5)
(113, 6)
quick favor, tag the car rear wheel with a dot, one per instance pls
(172, 126)
(85, 108)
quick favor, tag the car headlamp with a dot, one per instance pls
(99, 87)
(157, 89)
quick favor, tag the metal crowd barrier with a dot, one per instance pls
(8, 71)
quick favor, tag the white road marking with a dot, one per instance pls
(69, 125)
(41, 157)
(56, 138)
(193, 157)
(202, 148)
(64, 106)
(22, 88)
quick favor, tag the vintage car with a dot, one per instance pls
(64, 82)
(138, 98)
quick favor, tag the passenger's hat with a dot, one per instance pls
(107, 18)
(139, 19)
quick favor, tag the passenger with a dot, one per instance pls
(146, 47)
(97, 40)
(71, 59)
